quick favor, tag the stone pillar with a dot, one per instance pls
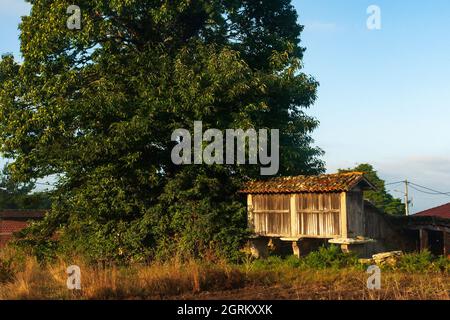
(258, 247)
(295, 249)
(345, 248)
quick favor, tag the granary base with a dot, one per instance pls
(259, 247)
(361, 247)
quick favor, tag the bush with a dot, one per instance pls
(423, 262)
(325, 257)
(443, 264)
(270, 263)
(293, 262)
(414, 262)
(329, 257)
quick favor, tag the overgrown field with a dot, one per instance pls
(327, 274)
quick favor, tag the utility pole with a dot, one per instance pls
(406, 198)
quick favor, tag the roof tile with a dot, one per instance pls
(441, 211)
(338, 182)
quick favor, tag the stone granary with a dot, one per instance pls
(309, 211)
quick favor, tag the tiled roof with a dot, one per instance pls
(15, 220)
(338, 182)
(441, 211)
(11, 226)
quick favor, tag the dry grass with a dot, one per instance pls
(200, 280)
(156, 281)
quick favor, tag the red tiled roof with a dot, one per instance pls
(11, 226)
(339, 182)
(441, 211)
(12, 221)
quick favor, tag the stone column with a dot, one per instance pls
(296, 249)
(345, 248)
(258, 247)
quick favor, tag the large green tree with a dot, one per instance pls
(97, 106)
(380, 197)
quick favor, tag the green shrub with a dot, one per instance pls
(423, 262)
(414, 262)
(329, 257)
(325, 257)
(443, 264)
(293, 261)
(270, 263)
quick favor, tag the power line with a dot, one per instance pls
(426, 192)
(389, 184)
(418, 188)
(434, 192)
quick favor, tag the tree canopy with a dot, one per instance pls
(380, 197)
(97, 106)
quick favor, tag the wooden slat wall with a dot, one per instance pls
(355, 214)
(318, 214)
(272, 215)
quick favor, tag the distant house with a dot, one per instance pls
(310, 211)
(438, 212)
(432, 229)
(12, 221)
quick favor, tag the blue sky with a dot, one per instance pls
(384, 96)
